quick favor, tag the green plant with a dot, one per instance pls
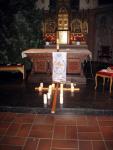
(20, 29)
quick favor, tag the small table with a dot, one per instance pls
(104, 73)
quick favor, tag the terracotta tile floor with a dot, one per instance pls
(55, 132)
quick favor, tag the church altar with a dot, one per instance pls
(42, 59)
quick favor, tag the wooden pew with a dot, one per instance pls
(9, 67)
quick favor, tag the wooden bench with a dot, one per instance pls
(104, 73)
(18, 67)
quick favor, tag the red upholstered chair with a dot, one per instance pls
(111, 67)
(105, 73)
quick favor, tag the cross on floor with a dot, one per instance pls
(53, 89)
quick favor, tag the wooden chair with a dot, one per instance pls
(105, 73)
(105, 53)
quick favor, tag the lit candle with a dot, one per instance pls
(72, 89)
(50, 86)
(61, 99)
(41, 84)
(61, 92)
(50, 89)
(61, 86)
(48, 95)
(57, 44)
(53, 85)
(45, 98)
(57, 41)
(40, 88)
(72, 85)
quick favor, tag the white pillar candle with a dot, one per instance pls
(61, 99)
(57, 46)
(50, 87)
(50, 91)
(45, 98)
(53, 85)
(48, 95)
(41, 84)
(57, 41)
(72, 89)
(61, 91)
(61, 85)
(72, 84)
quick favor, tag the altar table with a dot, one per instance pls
(42, 59)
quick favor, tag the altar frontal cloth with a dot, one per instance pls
(59, 66)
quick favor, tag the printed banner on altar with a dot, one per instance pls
(59, 66)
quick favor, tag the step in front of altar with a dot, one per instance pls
(47, 78)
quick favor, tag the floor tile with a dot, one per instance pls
(71, 132)
(59, 132)
(98, 145)
(65, 120)
(14, 141)
(106, 123)
(55, 132)
(85, 145)
(8, 117)
(41, 131)
(105, 118)
(107, 132)
(109, 144)
(87, 129)
(92, 121)
(13, 129)
(31, 144)
(8, 147)
(24, 118)
(44, 144)
(44, 119)
(89, 136)
(64, 144)
(82, 121)
(24, 130)
(64, 149)
(3, 127)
